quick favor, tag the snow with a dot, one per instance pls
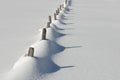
(82, 44)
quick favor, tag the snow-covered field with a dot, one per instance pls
(82, 45)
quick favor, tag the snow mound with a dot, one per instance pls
(52, 33)
(46, 48)
(32, 68)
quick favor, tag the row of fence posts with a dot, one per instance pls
(57, 12)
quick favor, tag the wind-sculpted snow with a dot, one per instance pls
(34, 68)
(92, 48)
(46, 48)
(31, 68)
(52, 34)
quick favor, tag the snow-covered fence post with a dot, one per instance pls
(60, 7)
(48, 24)
(65, 1)
(50, 19)
(31, 52)
(55, 16)
(44, 34)
(58, 10)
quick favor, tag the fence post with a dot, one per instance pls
(58, 10)
(48, 24)
(31, 52)
(65, 1)
(60, 7)
(50, 19)
(55, 16)
(44, 34)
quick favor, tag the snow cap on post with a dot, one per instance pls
(31, 52)
(44, 34)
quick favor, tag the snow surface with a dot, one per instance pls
(83, 44)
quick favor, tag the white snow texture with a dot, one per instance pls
(82, 44)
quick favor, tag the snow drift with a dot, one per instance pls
(32, 68)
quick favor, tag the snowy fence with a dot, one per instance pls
(38, 61)
(44, 30)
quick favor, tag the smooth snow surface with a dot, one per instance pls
(83, 44)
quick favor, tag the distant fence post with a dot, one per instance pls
(65, 1)
(31, 52)
(44, 34)
(60, 7)
(55, 16)
(48, 24)
(58, 10)
(50, 19)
